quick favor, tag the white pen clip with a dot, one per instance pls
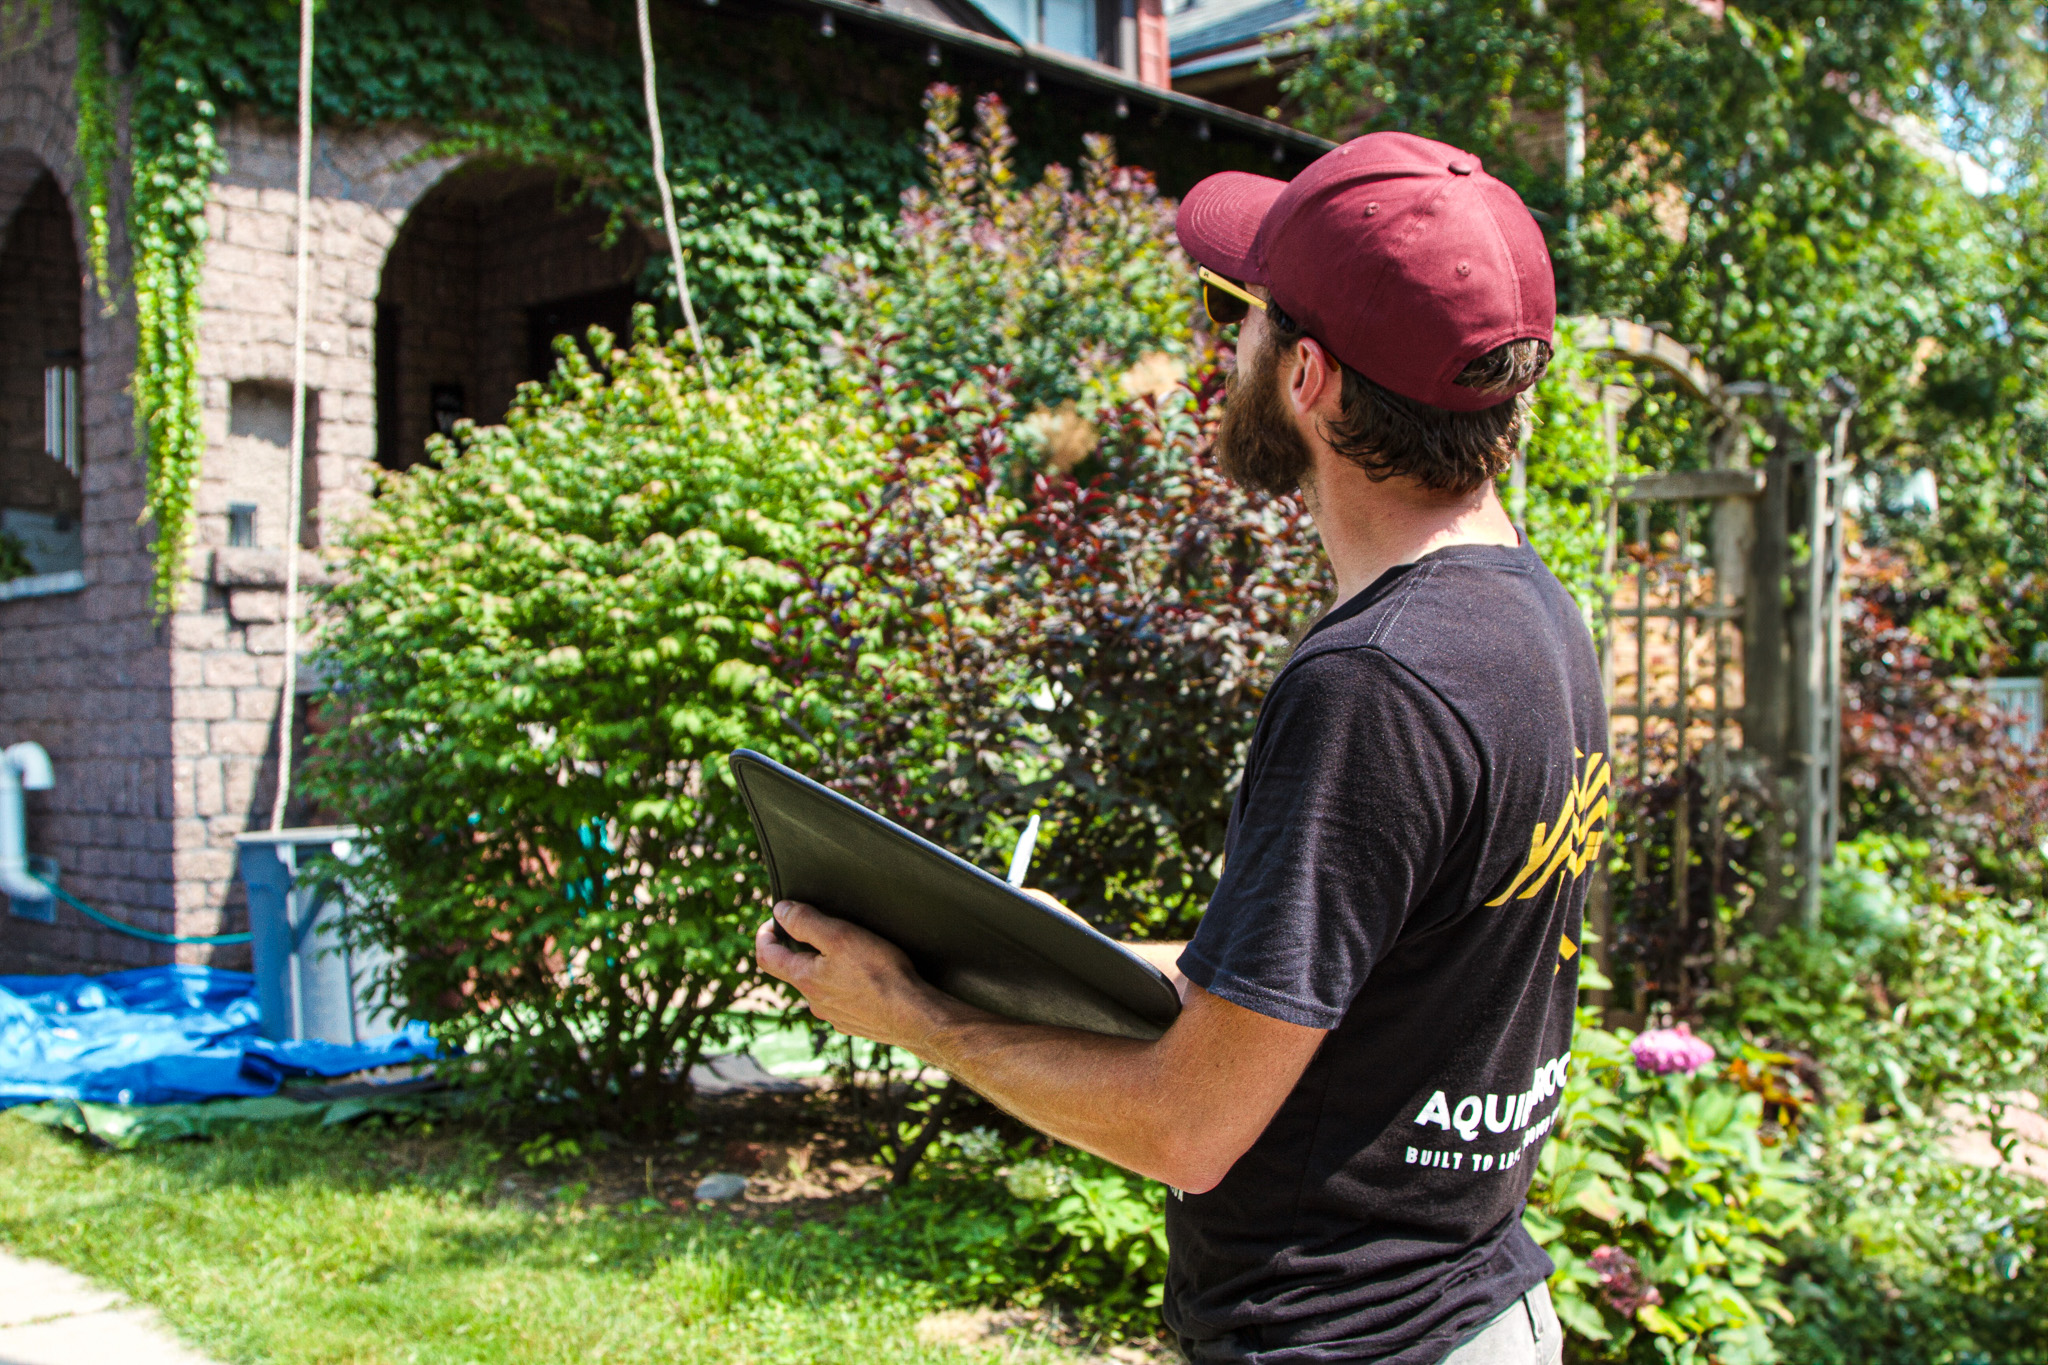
(1020, 861)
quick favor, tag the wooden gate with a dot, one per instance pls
(1720, 654)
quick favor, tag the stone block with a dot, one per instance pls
(240, 778)
(256, 703)
(254, 605)
(206, 703)
(228, 669)
(209, 788)
(239, 737)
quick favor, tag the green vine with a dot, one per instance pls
(93, 88)
(175, 157)
(23, 23)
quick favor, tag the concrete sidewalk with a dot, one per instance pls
(49, 1316)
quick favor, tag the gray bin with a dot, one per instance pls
(309, 984)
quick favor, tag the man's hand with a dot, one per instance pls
(1181, 1109)
(853, 980)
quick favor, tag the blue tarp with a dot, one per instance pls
(161, 1035)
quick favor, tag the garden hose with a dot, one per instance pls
(149, 935)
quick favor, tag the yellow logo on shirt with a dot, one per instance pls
(1568, 846)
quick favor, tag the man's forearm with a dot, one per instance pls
(1102, 1094)
(1181, 1108)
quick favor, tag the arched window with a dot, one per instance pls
(42, 454)
(488, 269)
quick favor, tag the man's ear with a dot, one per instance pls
(1317, 381)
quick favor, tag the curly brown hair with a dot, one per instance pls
(1389, 436)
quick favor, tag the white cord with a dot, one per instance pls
(295, 495)
(668, 198)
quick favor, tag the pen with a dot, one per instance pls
(1020, 861)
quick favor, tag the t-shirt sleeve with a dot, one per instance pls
(1357, 786)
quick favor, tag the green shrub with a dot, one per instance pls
(1065, 1229)
(1922, 1008)
(1911, 995)
(1918, 1259)
(545, 651)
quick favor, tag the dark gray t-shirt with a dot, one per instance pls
(1407, 865)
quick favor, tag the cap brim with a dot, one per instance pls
(1219, 220)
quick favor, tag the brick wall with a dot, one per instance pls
(85, 674)
(163, 732)
(227, 641)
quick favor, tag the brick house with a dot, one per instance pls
(438, 286)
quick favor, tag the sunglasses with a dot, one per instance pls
(1226, 302)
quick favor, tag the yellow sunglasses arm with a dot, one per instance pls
(1211, 278)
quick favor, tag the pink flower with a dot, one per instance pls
(1622, 1282)
(1662, 1051)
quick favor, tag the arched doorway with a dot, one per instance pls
(488, 269)
(42, 456)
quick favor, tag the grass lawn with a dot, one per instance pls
(368, 1247)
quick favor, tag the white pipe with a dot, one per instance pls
(23, 767)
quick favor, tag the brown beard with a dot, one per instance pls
(1257, 444)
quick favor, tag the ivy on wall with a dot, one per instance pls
(93, 88)
(786, 151)
(770, 182)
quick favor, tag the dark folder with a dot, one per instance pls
(970, 934)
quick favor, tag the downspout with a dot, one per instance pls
(23, 767)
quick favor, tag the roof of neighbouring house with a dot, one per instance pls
(1212, 34)
(921, 20)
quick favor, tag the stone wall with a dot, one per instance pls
(163, 733)
(228, 638)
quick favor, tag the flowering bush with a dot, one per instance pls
(1096, 646)
(1662, 1207)
(1066, 282)
(1662, 1051)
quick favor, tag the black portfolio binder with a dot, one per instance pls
(970, 934)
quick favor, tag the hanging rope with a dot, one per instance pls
(668, 198)
(295, 494)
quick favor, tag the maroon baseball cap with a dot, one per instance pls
(1401, 255)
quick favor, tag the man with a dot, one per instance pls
(1378, 1003)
